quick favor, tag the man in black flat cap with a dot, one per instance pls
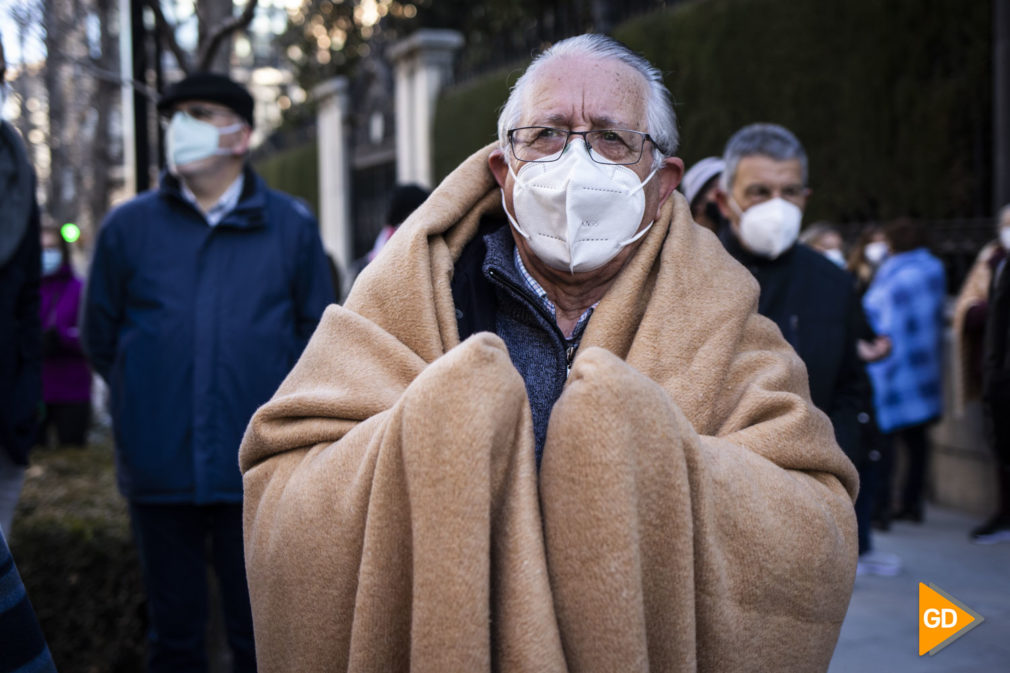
(202, 294)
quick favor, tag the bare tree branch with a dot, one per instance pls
(113, 77)
(224, 31)
(166, 32)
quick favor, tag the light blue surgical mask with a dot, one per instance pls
(190, 139)
(52, 260)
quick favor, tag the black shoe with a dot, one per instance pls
(996, 529)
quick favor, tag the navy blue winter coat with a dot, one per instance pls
(20, 334)
(193, 327)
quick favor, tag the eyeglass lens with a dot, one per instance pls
(618, 146)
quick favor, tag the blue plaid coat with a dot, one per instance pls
(905, 302)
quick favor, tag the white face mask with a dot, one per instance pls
(836, 256)
(190, 140)
(1004, 237)
(577, 214)
(769, 228)
(875, 252)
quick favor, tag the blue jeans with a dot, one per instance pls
(174, 542)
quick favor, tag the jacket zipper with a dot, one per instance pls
(516, 290)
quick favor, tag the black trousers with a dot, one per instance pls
(71, 421)
(996, 405)
(915, 439)
(175, 543)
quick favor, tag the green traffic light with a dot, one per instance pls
(70, 232)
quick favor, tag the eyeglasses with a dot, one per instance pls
(606, 146)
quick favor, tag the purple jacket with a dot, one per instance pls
(65, 373)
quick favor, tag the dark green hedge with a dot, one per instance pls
(467, 117)
(72, 544)
(891, 99)
(295, 171)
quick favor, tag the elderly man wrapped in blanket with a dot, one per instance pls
(554, 438)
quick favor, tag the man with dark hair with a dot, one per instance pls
(202, 295)
(763, 194)
(20, 333)
(22, 645)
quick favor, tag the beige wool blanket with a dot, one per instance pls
(692, 511)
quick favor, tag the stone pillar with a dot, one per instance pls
(423, 66)
(335, 225)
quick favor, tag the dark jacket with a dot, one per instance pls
(66, 377)
(996, 363)
(193, 327)
(815, 305)
(996, 360)
(490, 296)
(20, 267)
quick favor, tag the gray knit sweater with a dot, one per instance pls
(539, 350)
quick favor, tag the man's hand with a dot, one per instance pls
(872, 351)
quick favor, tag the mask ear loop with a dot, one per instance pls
(644, 182)
(225, 130)
(231, 128)
(648, 226)
(512, 219)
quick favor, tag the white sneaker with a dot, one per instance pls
(878, 563)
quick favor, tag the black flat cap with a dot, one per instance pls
(211, 87)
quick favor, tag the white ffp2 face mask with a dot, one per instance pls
(875, 252)
(769, 228)
(190, 139)
(577, 214)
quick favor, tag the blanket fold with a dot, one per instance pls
(692, 511)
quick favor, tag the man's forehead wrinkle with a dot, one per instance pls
(564, 118)
(586, 94)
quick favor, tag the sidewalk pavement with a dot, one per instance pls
(880, 633)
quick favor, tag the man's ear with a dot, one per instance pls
(669, 175)
(498, 163)
(722, 200)
(241, 148)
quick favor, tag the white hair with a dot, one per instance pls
(761, 139)
(660, 117)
